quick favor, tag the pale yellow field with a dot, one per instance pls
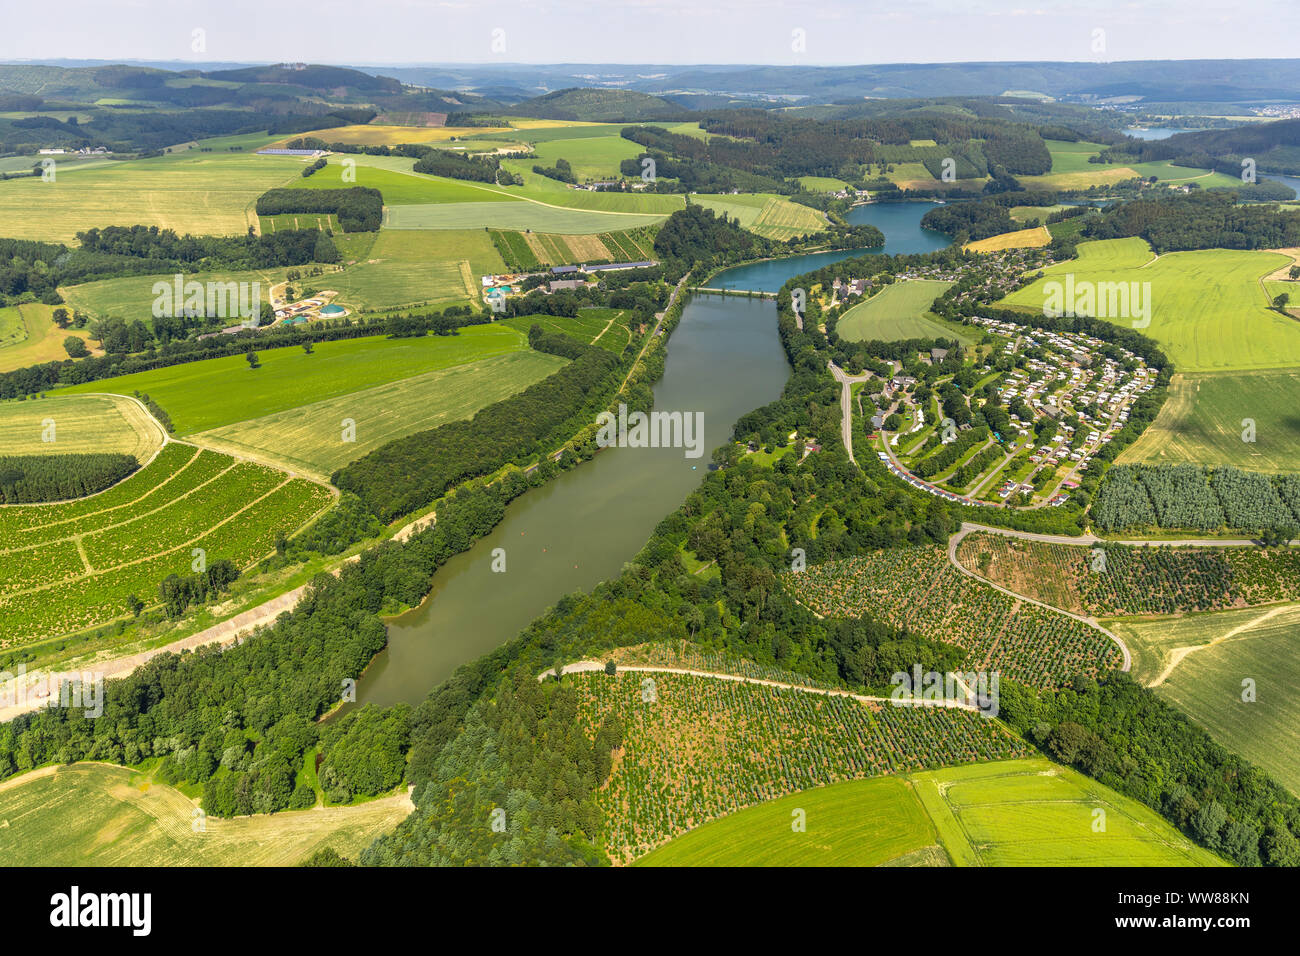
(1100, 176)
(33, 338)
(204, 194)
(375, 135)
(1020, 239)
(104, 815)
(78, 424)
(526, 123)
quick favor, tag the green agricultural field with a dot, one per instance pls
(1022, 213)
(71, 566)
(899, 311)
(72, 424)
(204, 194)
(311, 438)
(592, 157)
(1199, 663)
(1167, 172)
(322, 222)
(105, 815)
(604, 327)
(772, 216)
(856, 823)
(822, 184)
(1027, 812)
(412, 267)
(399, 188)
(1202, 422)
(561, 129)
(200, 396)
(1073, 157)
(537, 216)
(132, 297)
(29, 336)
(1208, 309)
(1036, 813)
(537, 189)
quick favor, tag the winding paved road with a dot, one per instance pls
(846, 404)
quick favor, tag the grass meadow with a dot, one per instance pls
(208, 194)
(1203, 418)
(81, 423)
(1209, 310)
(200, 396)
(310, 438)
(106, 815)
(1035, 813)
(1027, 812)
(1199, 662)
(899, 311)
(592, 157)
(855, 823)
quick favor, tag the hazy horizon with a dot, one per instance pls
(413, 33)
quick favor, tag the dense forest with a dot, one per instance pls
(969, 221)
(32, 271)
(440, 162)
(1198, 220)
(358, 208)
(26, 479)
(698, 237)
(1122, 734)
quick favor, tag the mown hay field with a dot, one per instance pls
(28, 336)
(377, 135)
(323, 436)
(203, 395)
(1202, 663)
(74, 424)
(1020, 239)
(900, 310)
(205, 194)
(412, 267)
(1208, 416)
(91, 814)
(513, 215)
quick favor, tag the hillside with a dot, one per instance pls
(610, 106)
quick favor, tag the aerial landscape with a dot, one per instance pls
(595, 447)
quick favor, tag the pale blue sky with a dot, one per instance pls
(648, 31)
